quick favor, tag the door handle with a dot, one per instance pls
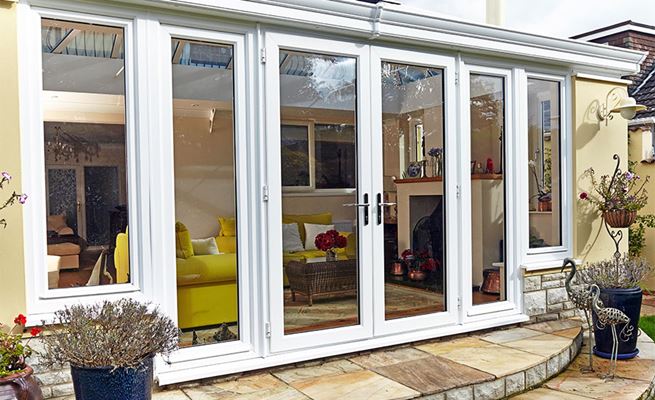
(380, 205)
(365, 205)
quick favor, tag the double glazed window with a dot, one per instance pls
(545, 167)
(85, 153)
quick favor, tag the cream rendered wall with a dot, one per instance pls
(640, 148)
(12, 267)
(594, 143)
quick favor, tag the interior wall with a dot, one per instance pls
(12, 262)
(594, 144)
(204, 172)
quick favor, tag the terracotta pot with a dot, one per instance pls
(545, 205)
(620, 218)
(417, 275)
(397, 269)
(20, 386)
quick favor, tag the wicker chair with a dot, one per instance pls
(322, 278)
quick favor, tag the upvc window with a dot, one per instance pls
(547, 170)
(80, 145)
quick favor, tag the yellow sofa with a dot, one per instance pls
(207, 287)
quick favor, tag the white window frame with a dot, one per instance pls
(243, 346)
(534, 258)
(41, 301)
(512, 303)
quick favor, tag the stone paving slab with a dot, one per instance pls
(633, 377)
(490, 366)
(433, 374)
(354, 386)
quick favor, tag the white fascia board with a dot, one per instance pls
(389, 22)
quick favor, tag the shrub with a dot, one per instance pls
(118, 334)
(626, 272)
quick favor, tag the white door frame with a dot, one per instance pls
(274, 41)
(448, 65)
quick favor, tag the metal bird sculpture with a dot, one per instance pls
(581, 297)
(611, 317)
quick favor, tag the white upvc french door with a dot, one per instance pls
(414, 113)
(325, 82)
(488, 226)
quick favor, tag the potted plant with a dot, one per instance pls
(329, 242)
(544, 196)
(110, 347)
(618, 280)
(617, 197)
(16, 377)
(419, 264)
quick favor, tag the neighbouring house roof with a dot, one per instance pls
(635, 36)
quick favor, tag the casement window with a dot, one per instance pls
(82, 166)
(547, 170)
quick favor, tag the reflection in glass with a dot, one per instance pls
(544, 165)
(318, 147)
(487, 188)
(85, 154)
(413, 136)
(205, 192)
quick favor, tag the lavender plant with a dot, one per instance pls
(5, 177)
(119, 334)
(625, 272)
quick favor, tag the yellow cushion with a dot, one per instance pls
(228, 226)
(226, 244)
(183, 246)
(323, 219)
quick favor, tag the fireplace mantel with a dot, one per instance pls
(439, 178)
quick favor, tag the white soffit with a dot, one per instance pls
(408, 25)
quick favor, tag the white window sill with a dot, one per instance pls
(544, 265)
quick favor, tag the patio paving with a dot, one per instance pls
(480, 367)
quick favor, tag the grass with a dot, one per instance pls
(647, 324)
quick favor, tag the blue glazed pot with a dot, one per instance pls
(106, 383)
(628, 301)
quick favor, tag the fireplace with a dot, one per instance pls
(426, 224)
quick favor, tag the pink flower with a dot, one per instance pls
(5, 175)
(22, 198)
(584, 196)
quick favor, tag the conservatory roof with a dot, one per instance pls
(388, 23)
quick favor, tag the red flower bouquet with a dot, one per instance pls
(329, 241)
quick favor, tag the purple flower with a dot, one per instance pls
(629, 175)
(22, 198)
(5, 175)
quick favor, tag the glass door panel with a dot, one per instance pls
(413, 199)
(320, 214)
(414, 177)
(487, 180)
(319, 204)
(206, 213)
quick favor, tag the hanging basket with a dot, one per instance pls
(620, 218)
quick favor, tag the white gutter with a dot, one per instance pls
(403, 24)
